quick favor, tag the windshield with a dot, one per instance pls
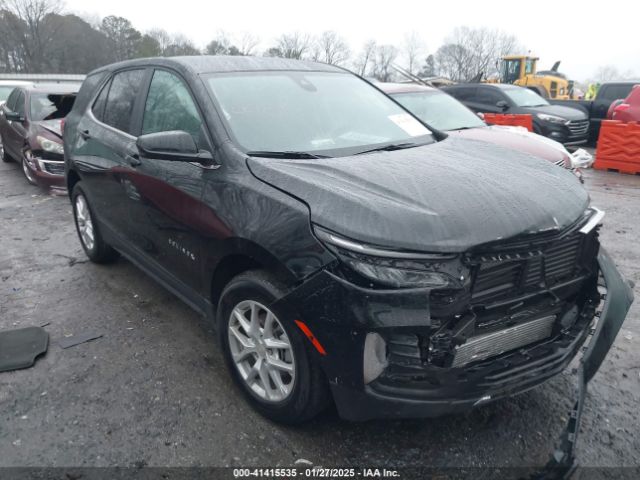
(330, 113)
(47, 106)
(523, 97)
(4, 93)
(439, 110)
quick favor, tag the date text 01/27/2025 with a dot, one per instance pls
(315, 472)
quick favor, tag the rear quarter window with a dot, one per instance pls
(87, 90)
(124, 90)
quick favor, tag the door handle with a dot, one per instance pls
(85, 134)
(133, 159)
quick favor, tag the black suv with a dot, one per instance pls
(345, 250)
(564, 124)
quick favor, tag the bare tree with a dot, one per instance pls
(469, 51)
(181, 45)
(27, 30)
(248, 43)
(454, 61)
(293, 45)
(218, 46)
(413, 48)
(384, 57)
(365, 58)
(330, 48)
(607, 73)
(162, 37)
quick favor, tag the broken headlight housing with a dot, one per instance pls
(398, 269)
(50, 146)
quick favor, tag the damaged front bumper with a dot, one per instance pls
(617, 301)
(341, 315)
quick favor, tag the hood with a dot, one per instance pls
(559, 110)
(517, 138)
(444, 197)
(53, 126)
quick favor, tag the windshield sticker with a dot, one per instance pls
(409, 124)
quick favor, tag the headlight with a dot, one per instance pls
(552, 118)
(388, 267)
(50, 146)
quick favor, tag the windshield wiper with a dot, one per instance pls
(286, 154)
(391, 147)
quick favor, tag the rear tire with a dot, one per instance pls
(88, 230)
(293, 394)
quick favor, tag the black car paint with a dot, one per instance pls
(552, 130)
(423, 197)
(192, 226)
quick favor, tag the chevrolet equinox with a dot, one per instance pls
(346, 251)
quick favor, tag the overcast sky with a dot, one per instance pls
(552, 30)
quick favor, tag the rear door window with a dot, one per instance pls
(488, 96)
(125, 88)
(465, 93)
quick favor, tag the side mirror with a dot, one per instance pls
(502, 105)
(176, 145)
(13, 116)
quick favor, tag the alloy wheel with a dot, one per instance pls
(261, 351)
(27, 164)
(85, 225)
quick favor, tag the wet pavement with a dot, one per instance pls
(153, 389)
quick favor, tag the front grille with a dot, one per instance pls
(54, 168)
(508, 273)
(495, 343)
(578, 128)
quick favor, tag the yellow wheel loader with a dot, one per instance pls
(521, 70)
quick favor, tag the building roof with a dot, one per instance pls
(41, 77)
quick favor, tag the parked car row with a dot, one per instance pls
(442, 111)
(566, 125)
(346, 250)
(31, 130)
(596, 109)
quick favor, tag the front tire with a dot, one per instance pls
(91, 239)
(265, 352)
(27, 160)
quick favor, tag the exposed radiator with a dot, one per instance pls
(494, 343)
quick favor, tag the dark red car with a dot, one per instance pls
(628, 110)
(31, 124)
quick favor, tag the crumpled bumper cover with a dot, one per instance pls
(618, 300)
(340, 314)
